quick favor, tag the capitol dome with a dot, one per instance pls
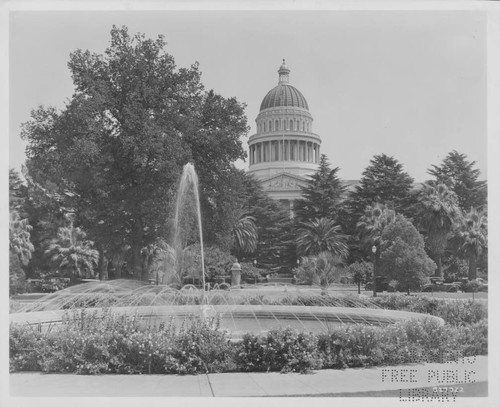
(284, 151)
(284, 95)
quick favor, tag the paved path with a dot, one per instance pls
(322, 382)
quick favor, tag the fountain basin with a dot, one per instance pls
(237, 319)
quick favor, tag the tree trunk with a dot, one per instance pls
(136, 250)
(73, 278)
(439, 271)
(118, 269)
(473, 267)
(103, 274)
(376, 258)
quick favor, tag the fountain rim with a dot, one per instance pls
(346, 314)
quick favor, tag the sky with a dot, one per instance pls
(410, 84)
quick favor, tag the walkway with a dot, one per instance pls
(388, 381)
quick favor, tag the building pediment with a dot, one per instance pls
(283, 182)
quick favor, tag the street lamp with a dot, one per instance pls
(255, 275)
(374, 251)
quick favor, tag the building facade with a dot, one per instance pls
(284, 150)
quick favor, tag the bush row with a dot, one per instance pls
(111, 344)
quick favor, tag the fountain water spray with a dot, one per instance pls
(189, 182)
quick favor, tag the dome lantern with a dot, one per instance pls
(284, 73)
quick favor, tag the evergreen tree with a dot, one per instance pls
(383, 181)
(322, 195)
(275, 228)
(461, 177)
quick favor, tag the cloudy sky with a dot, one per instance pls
(411, 84)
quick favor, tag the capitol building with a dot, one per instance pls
(284, 150)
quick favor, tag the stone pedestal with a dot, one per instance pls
(236, 274)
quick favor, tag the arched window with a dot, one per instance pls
(277, 125)
(270, 128)
(303, 126)
(291, 124)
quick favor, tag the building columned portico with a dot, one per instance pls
(284, 150)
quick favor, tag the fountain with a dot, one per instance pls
(237, 312)
(188, 183)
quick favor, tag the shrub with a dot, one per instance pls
(284, 350)
(25, 348)
(200, 348)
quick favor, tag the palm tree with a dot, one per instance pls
(471, 238)
(20, 248)
(71, 251)
(163, 264)
(321, 235)
(19, 237)
(438, 212)
(371, 226)
(322, 269)
(245, 235)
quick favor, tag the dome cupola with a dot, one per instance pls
(284, 95)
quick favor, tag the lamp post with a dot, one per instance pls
(254, 275)
(374, 251)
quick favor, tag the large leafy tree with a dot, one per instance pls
(321, 235)
(438, 211)
(322, 195)
(371, 227)
(471, 238)
(382, 181)
(404, 258)
(459, 174)
(120, 143)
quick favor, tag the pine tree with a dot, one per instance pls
(383, 181)
(461, 177)
(322, 196)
